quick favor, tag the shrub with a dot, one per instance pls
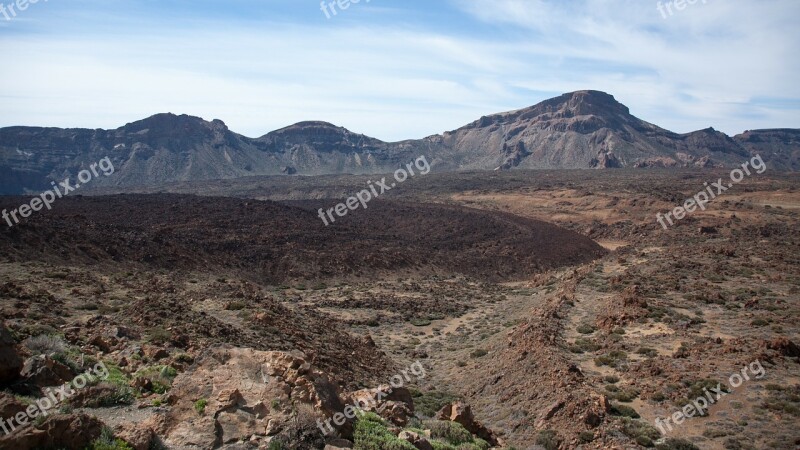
(586, 437)
(676, 444)
(159, 335)
(106, 441)
(548, 439)
(648, 352)
(160, 376)
(119, 395)
(235, 306)
(584, 345)
(452, 433)
(586, 328)
(420, 322)
(200, 406)
(370, 433)
(624, 411)
(642, 432)
(429, 403)
(479, 353)
(614, 359)
(625, 395)
(45, 345)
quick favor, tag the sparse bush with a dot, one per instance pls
(429, 403)
(586, 328)
(643, 433)
(613, 359)
(624, 395)
(160, 376)
(676, 444)
(107, 441)
(548, 439)
(624, 411)
(648, 352)
(584, 345)
(479, 353)
(452, 433)
(159, 335)
(45, 345)
(235, 306)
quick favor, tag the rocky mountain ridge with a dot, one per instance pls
(579, 130)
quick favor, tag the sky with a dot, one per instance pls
(396, 69)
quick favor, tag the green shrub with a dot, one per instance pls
(429, 403)
(613, 359)
(370, 433)
(106, 441)
(419, 322)
(643, 433)
(586, 328)
(676, 444)
(452, 433)
(160, 376)
(200, 406)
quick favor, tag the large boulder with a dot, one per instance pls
(10, 361)
(393, 404)
(241, 394)
(462, 413)
(417, 440)
(42, 371)
(10, 406)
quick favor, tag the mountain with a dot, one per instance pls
(579, 130)
(783, 146)
(584, 129)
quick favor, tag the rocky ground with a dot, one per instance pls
(205, 352)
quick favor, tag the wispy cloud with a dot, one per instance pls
(397, 69)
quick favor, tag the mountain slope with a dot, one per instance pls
(584, 129)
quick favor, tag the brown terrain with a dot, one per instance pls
(548, 309)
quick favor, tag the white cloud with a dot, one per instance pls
(702, 67)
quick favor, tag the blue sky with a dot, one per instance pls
(397, 69)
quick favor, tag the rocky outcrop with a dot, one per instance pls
(235, 394)
(581, 129)
(42, 371)
(66, 431)
(393, 404)
(10, 360)
(462, 413)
